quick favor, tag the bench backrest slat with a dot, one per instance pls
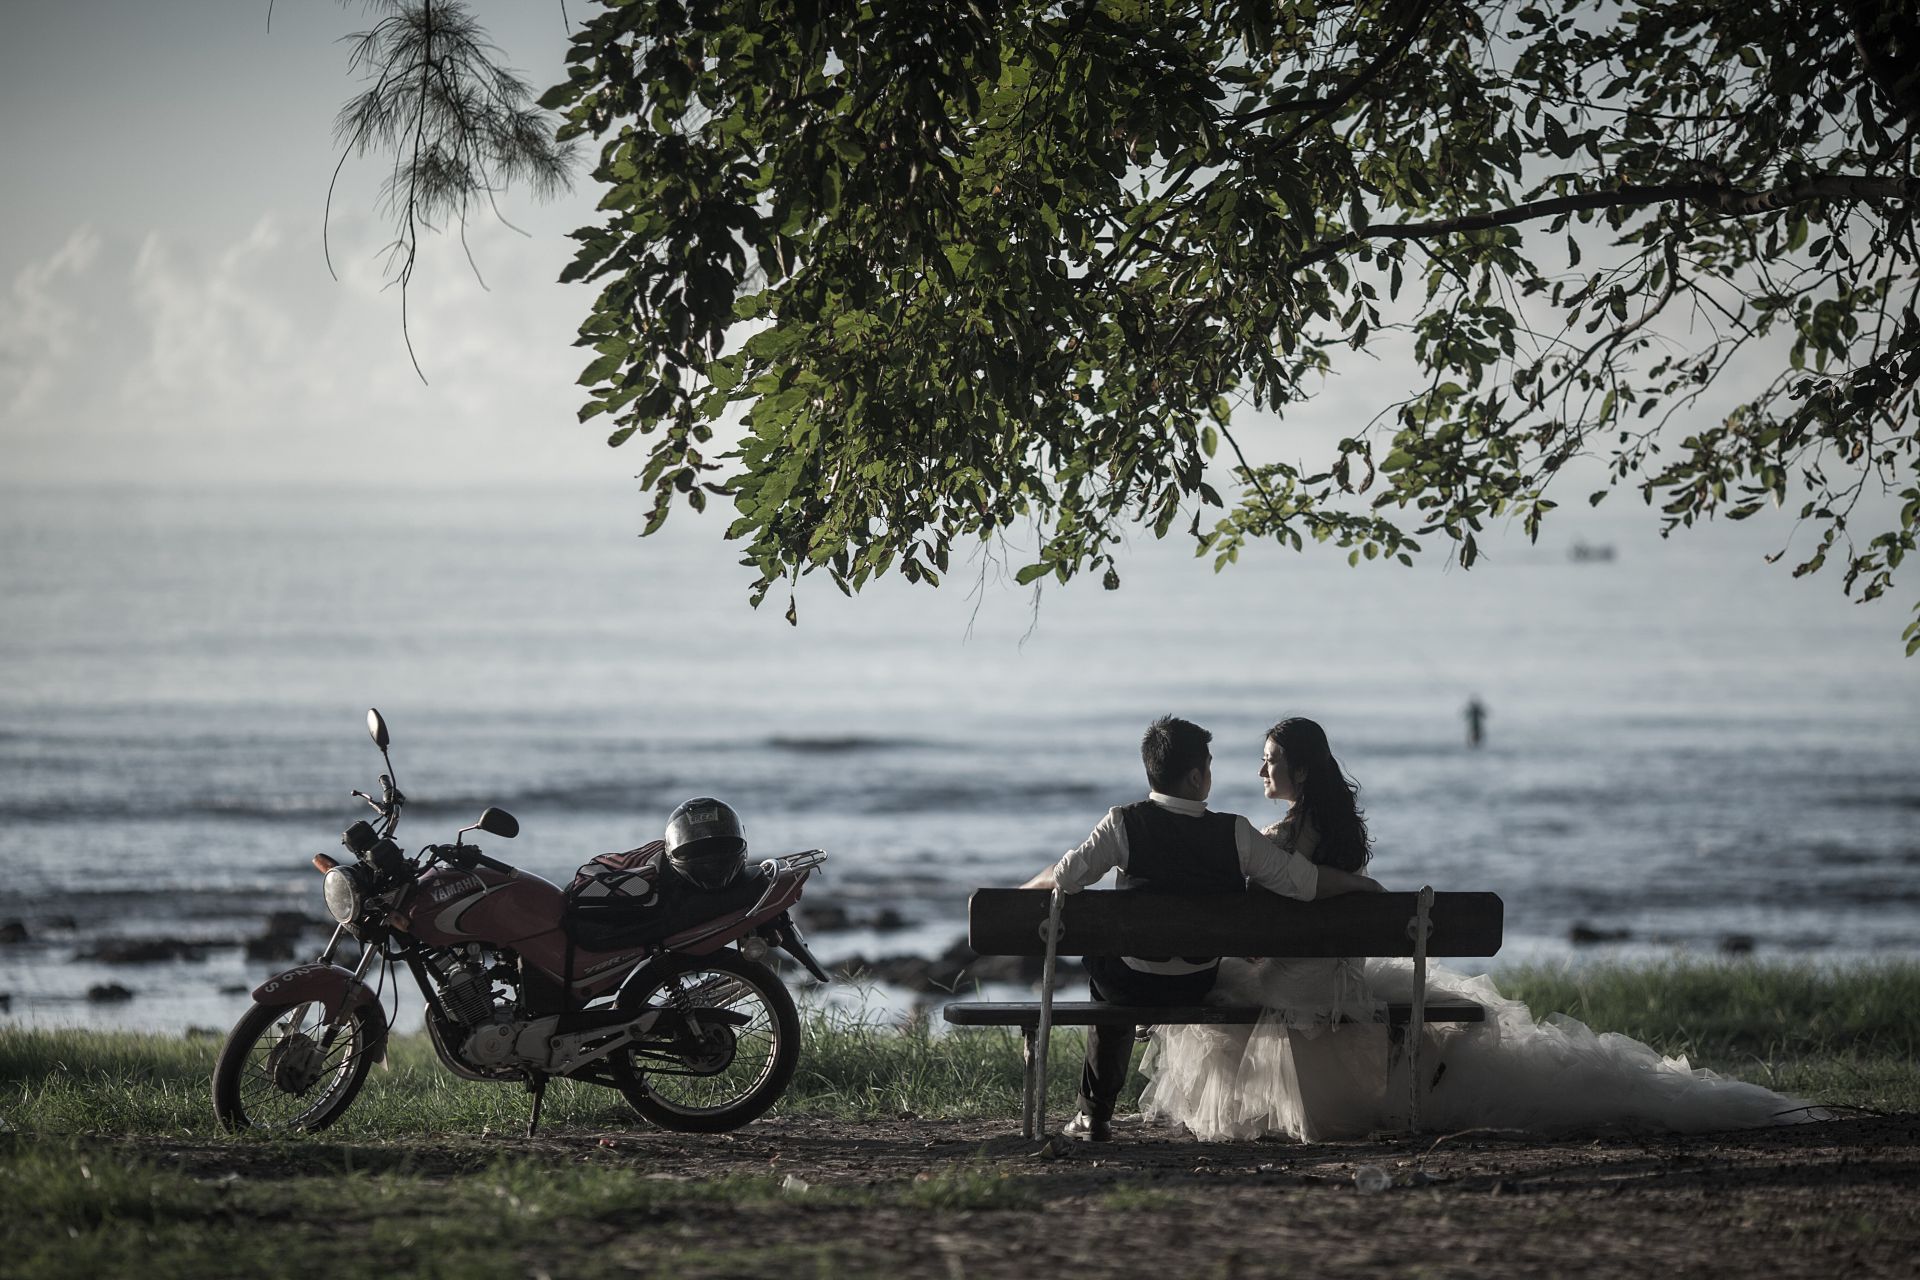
(1106, 922)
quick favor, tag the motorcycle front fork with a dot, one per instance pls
(333, 945)
(367, 954)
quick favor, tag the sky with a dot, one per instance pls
(170, 317)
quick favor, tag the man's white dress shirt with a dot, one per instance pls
(1264, 863)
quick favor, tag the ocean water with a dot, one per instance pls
(1684, 745)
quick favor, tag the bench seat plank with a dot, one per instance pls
(1087, 1013)
(1112, 922)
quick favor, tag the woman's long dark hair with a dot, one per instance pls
(1327, 797)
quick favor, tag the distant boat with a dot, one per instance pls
(1590, 552)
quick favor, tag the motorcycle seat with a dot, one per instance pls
(613, 924)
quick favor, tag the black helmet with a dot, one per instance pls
(705, 843)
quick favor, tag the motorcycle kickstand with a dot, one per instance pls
(537, 1086)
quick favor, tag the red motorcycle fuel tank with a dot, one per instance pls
(449, 905)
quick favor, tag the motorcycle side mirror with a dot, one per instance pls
(377, 728)
(498, 822)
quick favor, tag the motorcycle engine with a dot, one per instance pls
(483, 1026)
(491, 1046)
(468, 991)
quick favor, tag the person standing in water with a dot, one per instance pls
(1476, 714)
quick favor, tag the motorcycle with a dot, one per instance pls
(656, 988)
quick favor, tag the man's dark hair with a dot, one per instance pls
(1172, 749)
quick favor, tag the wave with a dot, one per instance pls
(87, 909)
(843, 745)
(911, 793)
(950, 796)
(591, 796)
(1889, 891)
(1876, 800)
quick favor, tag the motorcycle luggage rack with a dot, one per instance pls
(806, 860)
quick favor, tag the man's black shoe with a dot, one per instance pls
(1085, 1128)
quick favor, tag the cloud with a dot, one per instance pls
(212, 325)
(42, 327)
(230, 354)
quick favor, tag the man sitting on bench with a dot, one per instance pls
(1170, 843)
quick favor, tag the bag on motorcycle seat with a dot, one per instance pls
(634, 899)
(619, 879)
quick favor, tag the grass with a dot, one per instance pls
(81, 1209)
(1839, 1036)
(75, 1209)
(1842, 1036)
(75, 1082)
(94, 1182)
(1736, 1011)
(71, 1210)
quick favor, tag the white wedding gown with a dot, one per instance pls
(1299, 1073)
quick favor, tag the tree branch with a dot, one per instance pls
(1386, 58)
(1719, 196)
(1887, 38)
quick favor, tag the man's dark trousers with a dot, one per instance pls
(1110, 1049)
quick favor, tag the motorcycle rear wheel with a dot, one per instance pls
(734, 1072)
(281, 1073)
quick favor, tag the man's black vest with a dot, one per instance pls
(1170, 852)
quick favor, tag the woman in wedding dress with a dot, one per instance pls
(1314, 1067)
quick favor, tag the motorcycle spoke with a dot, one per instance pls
(271, 1089)
(722, 1049)
(673, 1074)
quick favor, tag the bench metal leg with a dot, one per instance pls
(1417, 1024)
(1035, 1107)
(1029, 1082)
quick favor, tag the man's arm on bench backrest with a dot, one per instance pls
(1097, 922)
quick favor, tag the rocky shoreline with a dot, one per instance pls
(284, 936)
(955, 971)
(280, 938)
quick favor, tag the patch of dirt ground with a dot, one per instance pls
(1826, 1198)
(911, 1196)
(972, 1198)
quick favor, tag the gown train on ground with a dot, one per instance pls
(1300, 1073)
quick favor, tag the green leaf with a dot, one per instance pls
(600, 370)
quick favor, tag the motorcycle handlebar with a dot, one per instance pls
(464, 856)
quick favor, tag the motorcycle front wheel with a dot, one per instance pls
(287, 1069)
(720, 1073)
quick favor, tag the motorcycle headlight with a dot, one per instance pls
(344, 894)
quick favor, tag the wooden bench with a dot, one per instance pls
(1041, 922)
